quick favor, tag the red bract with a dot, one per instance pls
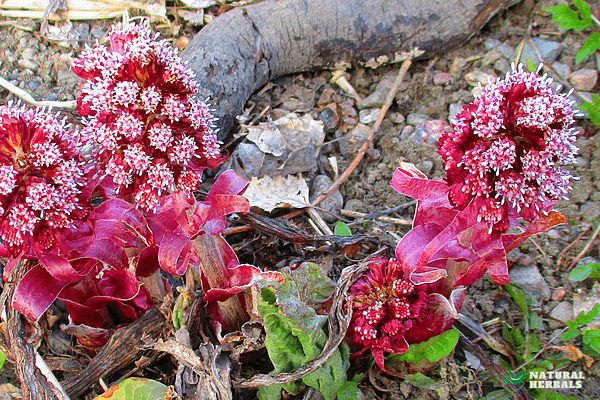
(41, 181)
(506, 148)
(153, 136)
(391, 310)
(441, 232)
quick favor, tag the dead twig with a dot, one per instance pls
(562, 254)
(356, 214)
(29, 99)
(587, 247)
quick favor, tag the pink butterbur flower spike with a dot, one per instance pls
(152, 136)
(506, 149)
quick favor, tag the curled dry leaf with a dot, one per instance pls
(269, 193)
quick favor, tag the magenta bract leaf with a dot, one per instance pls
(172, 251)
(229, 182)
(438, 316)
(241, 278)
(411, 182)
(35, 292)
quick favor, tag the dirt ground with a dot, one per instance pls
(432, 90)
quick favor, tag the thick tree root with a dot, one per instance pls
(240, 51)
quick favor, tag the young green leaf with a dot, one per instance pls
(585, 318)
(135, 389)
(313, 284)
(342, 229)
(432, 350)
(592, 109)
(295, 336)
(568, 18)
(422, 381)
(349, 389)
(584, 271)
(591, 339)
(2, 359)
(589, 47)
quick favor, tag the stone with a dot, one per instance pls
(83, 30)
(559, 294)
(528, 277)
(430, 131)
(406, 132)
(416, 119)
(374, 100)
(27, 54)
(502, 65)
(250, 159)
(330, 119)
(368, 116)
(441, 78)
(585, 302)
(560, 314)
(397, 118)
(563, 70)
(26, 63)
(33, 85)
(10, 56)
(453, 110)
(353, 140)
(548, 49)
(196, 4)
(193, 17)
(333, 203)
(355, 205)
(502, 48)
(474, 78)
(584, 79)
(97, 33)
(472, 361)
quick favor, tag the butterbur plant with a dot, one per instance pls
(391, 311)
(152, 135)
(503, 168)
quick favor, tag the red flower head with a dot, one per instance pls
(505, 148)
(41, 180)
(153, 136)
(390, 311)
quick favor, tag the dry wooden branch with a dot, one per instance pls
(124, 347)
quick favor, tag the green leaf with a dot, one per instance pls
(135, 389)
(342, 229)
(589, 47)
(592, 110)
(530, 65)
(432, 350)
(573, 331)
(585, 318)
(568, 18)
(349, 389)
(535, 322)
(519, 297)
(313, 284)
(499, 395)
(591, 339)
(422, 381)
(540, 394)
(296, 335)
(2, 359)
(584, 271)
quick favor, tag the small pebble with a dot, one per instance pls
(441, 78)
(502, 48)
(453, 110)
(558, 294)
(10, 56)
(26, 63)
(416, 119)
(368, 116)
(52, 97)
(97, 33)
(562, 313)
(548, 49)
(329, 118)
(333, 203)
(430, 131)
(406, 132)
(528, 277)
(397, 118)
(584, 79)
(562, 69)
(476, 77)
(33, 85)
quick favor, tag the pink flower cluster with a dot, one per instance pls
(390, 311)
(506, 148)
(41, 180)
(153, 136)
